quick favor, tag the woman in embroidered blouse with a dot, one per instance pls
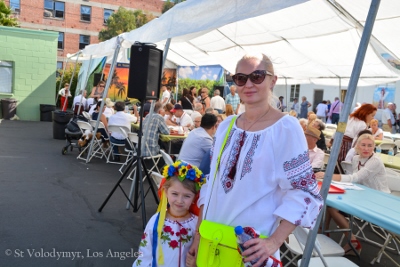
(358, 121)
(259, 182)
(376, 132)
(368, 170)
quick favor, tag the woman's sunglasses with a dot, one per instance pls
(256, 77)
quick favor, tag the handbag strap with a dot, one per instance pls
(219, 159)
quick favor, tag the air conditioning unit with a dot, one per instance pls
(48, 14)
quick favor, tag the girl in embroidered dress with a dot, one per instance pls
(169, 233)
(264, 178)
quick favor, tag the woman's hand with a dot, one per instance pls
(261, 249)
(319, 175)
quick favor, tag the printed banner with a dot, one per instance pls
(382, 96)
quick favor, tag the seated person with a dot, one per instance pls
(168, 114)
(368, 170)
(97, 92)
(316, 154)
(376, 132)
(199, 141)
(80, 99)
(120, 118)
(181, 118)
(109, 108)
(352, 152)
(198, 111)
(156, 127)
(320, 125)
(196, 122)
(103, 119)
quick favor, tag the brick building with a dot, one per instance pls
(77, 21)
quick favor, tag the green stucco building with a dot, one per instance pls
(28, 63)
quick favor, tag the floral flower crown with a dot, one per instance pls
(183, 171)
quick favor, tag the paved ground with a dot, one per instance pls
(49, 203)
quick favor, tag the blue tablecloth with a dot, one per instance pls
(376, 207)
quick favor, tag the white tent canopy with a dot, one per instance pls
(312, 41)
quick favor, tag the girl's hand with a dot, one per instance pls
(261, 249)
(192, 253)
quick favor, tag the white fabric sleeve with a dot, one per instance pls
(300, 201)
(145, 247)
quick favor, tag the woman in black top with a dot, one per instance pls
(185, 100)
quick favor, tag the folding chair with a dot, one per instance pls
(297, 241)
(167, 158)
(97, 146)
(116, 129)
(131, 139)
(331, 126)
(347, 167)
(319, 258)
(101, 126)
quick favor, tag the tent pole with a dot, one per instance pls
(72, 77)
(114, 61)
(366, 35)
(85, 84)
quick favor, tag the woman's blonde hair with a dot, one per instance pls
(362, 137)
(374, 121)
(293, 113)
(266, 61)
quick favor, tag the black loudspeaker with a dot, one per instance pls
(145, 72)
(96, 79)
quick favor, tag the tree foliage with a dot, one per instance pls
(5, 16)
(124, 20)
(170, 4)
(187, 83)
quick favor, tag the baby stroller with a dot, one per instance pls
(73, 133)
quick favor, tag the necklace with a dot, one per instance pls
(178, 217)
(251, 125)
(362, 165)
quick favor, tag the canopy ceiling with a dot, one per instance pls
(308, 41)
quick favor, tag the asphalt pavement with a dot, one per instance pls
(49, 205)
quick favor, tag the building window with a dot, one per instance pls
(60, 40)
(84, 40)
(294, 91)
(6, 76)
(85, 13)
(54, 9)
(107, 14)
(59, 68)
(15, 6)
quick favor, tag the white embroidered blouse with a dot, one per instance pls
(274, 179)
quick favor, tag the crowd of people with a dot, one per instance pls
(233, 146)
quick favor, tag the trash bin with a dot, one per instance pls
(60, 121)
(8, 107)
(45, 112)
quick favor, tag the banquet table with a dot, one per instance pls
(395, 164)
(170, 138)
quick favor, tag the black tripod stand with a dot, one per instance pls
(138, 163)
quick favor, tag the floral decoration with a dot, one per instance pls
(184, 170)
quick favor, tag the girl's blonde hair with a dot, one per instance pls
(188, 184)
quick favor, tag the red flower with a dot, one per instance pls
(167, 229)
(173, 244)
(172, 232)
(144, 236)
(178, 233)
(183, 231)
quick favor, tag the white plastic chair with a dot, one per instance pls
(347, 167)
(296, 246)
(397, 143)
(386, 145)
(86, 115)
(167, 158)
(116, 129)
(331, 126)
(321, 259)
(96, 149)
(131, 139)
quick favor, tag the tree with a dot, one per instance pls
(124, 20)
(170, 4)
(5, 19)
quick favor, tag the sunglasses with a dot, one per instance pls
(256, 77)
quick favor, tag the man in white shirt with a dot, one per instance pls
(322, 110)
(388, 119)
(316, 155)
(64, 93)
(120, 118)
(165, 95)
(80, 99)
(182, 118)
(217, 102)
(199, 141)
